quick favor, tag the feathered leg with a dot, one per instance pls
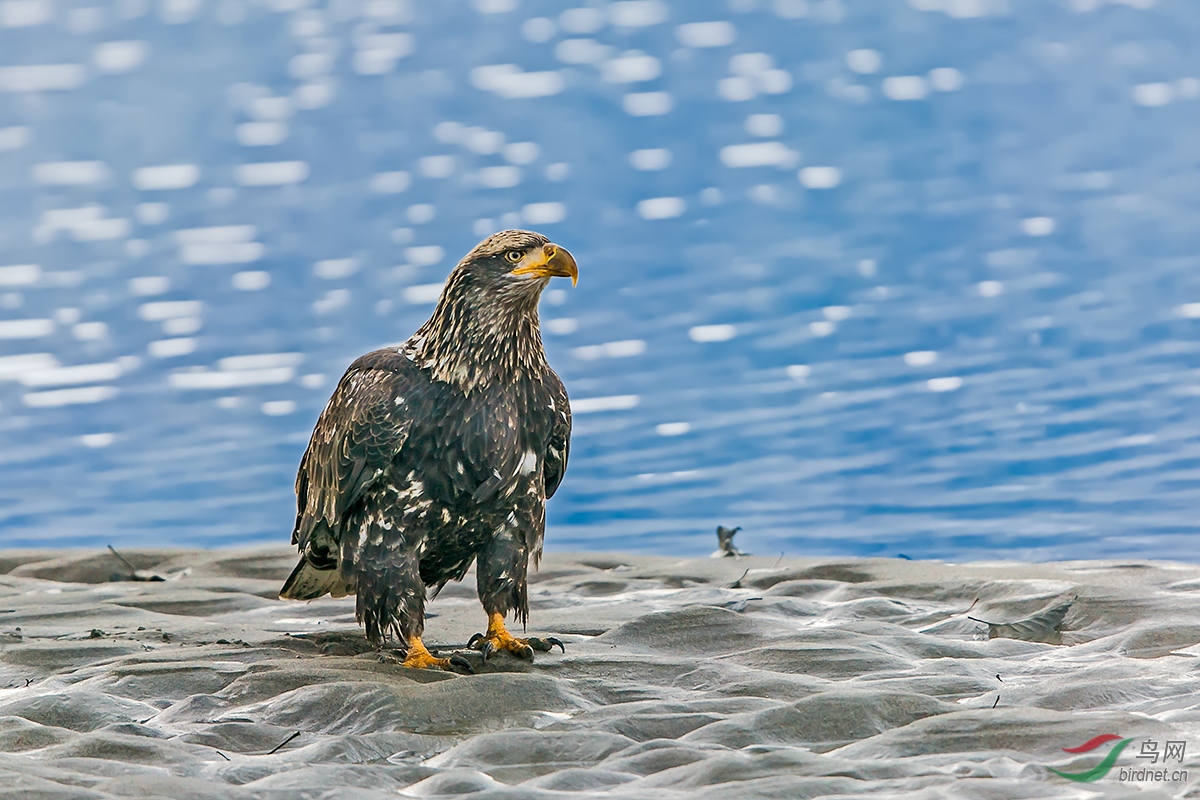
(500, 576)
(391, 594)
(501, 571)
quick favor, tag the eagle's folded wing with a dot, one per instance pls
(558, 450)
(362, 428)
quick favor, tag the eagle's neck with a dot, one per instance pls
(476, 338)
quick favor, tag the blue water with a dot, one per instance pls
(865, 278)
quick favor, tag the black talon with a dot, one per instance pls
(488, 649)
(474, 638)
(461, 664)
(546, 645)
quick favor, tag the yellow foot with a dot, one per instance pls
(498, 638)
(420, 658)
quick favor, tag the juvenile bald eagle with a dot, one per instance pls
(441, 452)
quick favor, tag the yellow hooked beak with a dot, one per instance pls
(551, 261)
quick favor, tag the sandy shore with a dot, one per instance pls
(810, 678)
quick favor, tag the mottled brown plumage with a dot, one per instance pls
(439, 453)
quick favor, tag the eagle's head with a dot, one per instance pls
(515, 264)
(485, 324)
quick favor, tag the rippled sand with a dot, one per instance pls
(812, 678)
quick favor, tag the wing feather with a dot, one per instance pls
(558, 448)
(360, 431)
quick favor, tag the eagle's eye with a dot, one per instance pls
(514, 256)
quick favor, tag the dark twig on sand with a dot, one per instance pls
(144, 575)
(123, 559)
(738, 583)
(222, 755)
(997, 701)
(279, 746)
(776, 564)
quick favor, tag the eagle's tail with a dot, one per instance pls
(318, 572)
(306, 582)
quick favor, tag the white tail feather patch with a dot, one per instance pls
(308, 583)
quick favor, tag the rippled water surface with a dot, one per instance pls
(865, 278)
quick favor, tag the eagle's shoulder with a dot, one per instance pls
(558, 392)
(394, 360)
(373, 393)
